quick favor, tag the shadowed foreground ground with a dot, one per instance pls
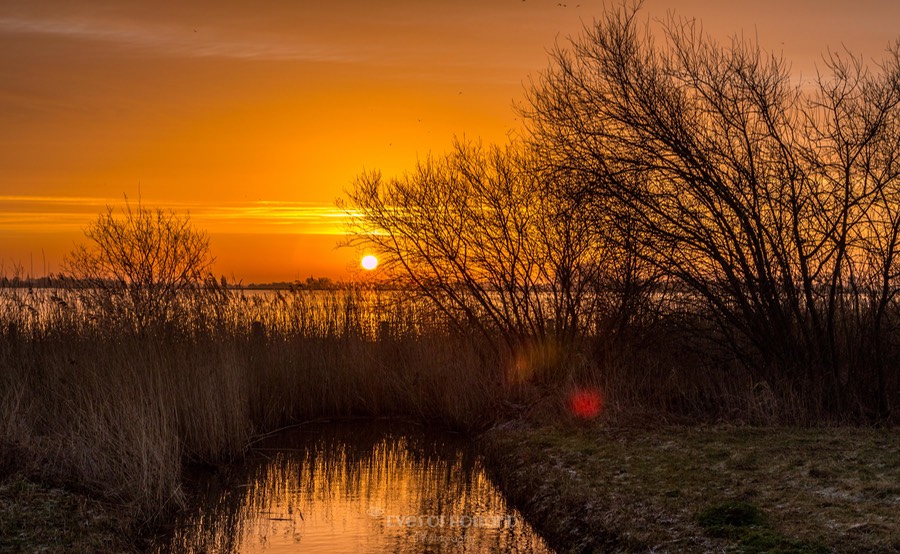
(685, 489)
(697, 489)
(41, 518)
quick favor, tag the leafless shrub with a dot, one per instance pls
(137, 261)
(493, 244)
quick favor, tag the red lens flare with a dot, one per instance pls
(586, 403)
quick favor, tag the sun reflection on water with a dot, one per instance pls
(356, 488)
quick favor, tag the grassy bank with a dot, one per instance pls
(40, 518)
(703, 488)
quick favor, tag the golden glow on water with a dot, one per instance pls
(357, 488)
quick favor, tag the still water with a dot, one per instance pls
(355, 487)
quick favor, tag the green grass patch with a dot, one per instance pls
(729, 519)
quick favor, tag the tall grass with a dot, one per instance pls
(89, 400)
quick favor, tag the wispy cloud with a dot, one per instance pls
(38, 214)
(284, 217)
(179, 41)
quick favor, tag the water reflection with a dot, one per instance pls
(356, 487)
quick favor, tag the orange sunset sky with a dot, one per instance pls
(256, 116)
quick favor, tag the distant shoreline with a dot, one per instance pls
(56, 282)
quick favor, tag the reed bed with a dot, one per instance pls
(92, 402)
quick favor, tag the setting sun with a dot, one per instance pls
(369, 262)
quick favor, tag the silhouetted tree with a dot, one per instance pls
(774, 202)
(479, 233)
(137, 261)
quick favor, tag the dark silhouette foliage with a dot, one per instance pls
(137, 261)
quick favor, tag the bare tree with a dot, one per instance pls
(137, 261)
(775, 206)
(478, 233)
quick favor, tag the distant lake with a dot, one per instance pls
(354, 487)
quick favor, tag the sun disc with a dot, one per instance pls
(369, 262)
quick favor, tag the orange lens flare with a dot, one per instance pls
(534, 358)
(586, 403)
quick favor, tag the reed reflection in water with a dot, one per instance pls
(356, 487)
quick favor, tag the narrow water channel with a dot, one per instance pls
(354, 487)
